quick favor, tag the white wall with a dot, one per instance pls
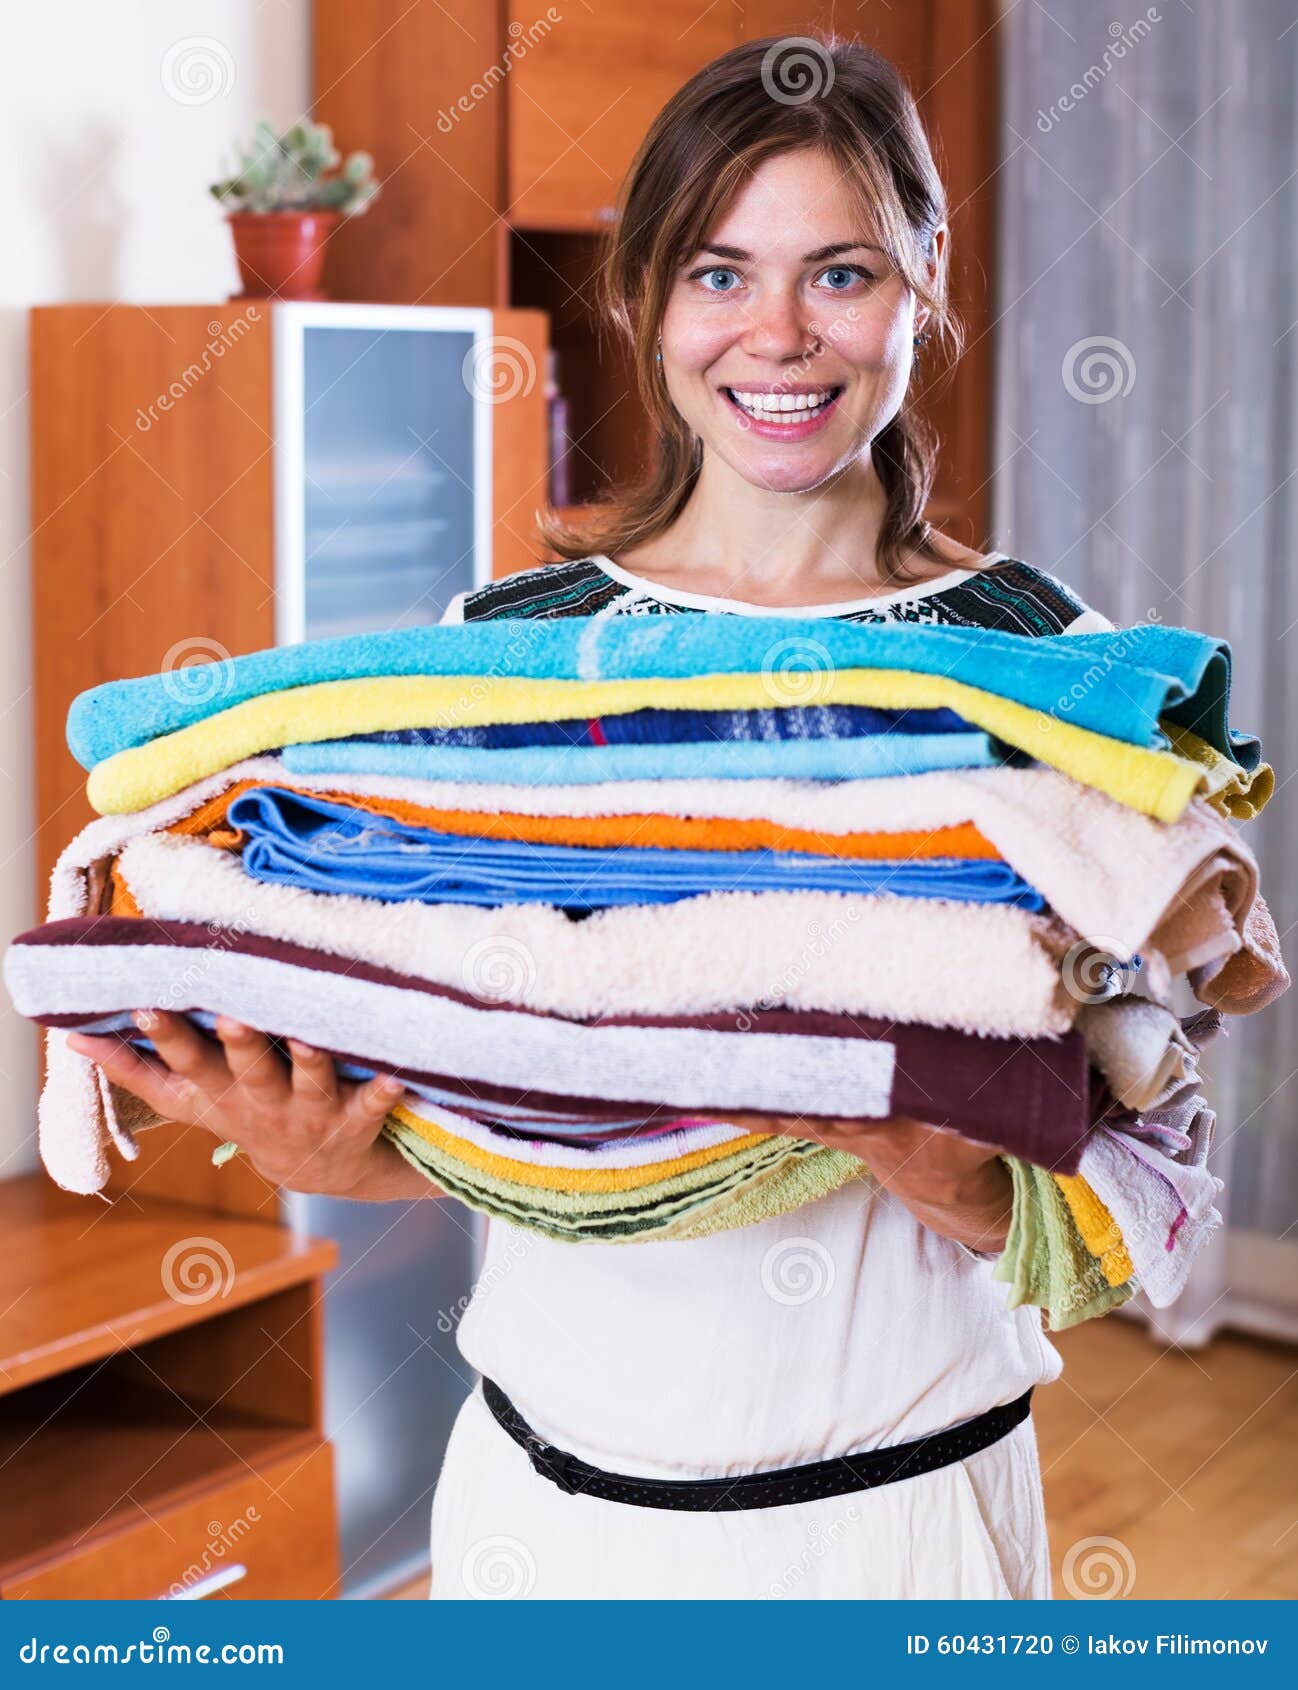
(114, 119)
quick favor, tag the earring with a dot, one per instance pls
(659, 354)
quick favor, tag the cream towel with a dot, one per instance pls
(724, 951)
(1124, 882)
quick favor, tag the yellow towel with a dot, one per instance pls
(1236, 792)
(1100, 1232)
(425, 1122)
(1158, 783)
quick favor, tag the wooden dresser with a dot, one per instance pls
(160, 1402)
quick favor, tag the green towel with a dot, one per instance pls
(1045, 1260)
(586, 1216)
(797, 1180)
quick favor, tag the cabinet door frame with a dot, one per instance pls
(289, 322)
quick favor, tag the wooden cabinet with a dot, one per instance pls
(268, 1534)
(161, 1426)
(584, 91)
(188, 460)
(501, 137)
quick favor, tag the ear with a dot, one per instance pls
(935, 259)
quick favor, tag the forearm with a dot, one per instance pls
(959, 1189)
(976, 1212)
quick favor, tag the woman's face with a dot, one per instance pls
(787, 338)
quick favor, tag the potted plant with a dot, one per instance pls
(284, 201)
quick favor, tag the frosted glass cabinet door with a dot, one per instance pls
(393, 1377)
(383, 466)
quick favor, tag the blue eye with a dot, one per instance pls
(719, 270)
(846, 274)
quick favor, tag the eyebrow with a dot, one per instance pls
(821, 253)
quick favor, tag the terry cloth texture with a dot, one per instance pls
(728, 951)
(1148, 671)
(1253, 977)
(1100, 1232)
(779, 759)
(1238, 793)
(615, 1164)
(1157, 783)
(663, 832)
(1045, 1261)
(1146, 1055)
(1163, 1206)
(296, 839)
(785, 1178)
(1031, 1097)
(669, 727)
(1111, 874)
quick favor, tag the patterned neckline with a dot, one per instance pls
(645, 588)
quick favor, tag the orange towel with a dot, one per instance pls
(698, 833)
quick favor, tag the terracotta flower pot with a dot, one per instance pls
(281, 253)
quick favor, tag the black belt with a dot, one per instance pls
(817, 1479)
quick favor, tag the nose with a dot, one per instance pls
(779, 327)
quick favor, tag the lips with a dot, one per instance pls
(782, 415)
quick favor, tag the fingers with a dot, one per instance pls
(184, 1050)
(367, 1105)
(166, 1094)
(251, 1061)
(313, 1076)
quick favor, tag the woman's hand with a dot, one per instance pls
(962, 1190)
(300, 1125)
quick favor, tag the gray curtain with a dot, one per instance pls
(1146, 445)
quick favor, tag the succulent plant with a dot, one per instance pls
(289, 172)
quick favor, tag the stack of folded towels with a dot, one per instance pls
(589, 887)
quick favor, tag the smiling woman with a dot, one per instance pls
(720, 1403)
(775, 264)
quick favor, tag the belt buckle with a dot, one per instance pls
(549, 1462)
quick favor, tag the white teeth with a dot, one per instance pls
(770, 406)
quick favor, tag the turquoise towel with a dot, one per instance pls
(550, 765)
(1116, 683)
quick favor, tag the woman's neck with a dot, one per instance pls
(737, 541)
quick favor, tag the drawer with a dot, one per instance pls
(266, 1534)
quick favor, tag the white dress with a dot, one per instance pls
(843, 1327)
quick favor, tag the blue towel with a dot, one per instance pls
(548, 765)
(1115, 683)
(294, 839)
(673, 727)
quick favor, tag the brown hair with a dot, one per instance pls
(762, 98)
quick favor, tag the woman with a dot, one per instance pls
(775, 263)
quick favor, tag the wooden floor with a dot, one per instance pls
(1185, 1457)
(1184, 1463)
